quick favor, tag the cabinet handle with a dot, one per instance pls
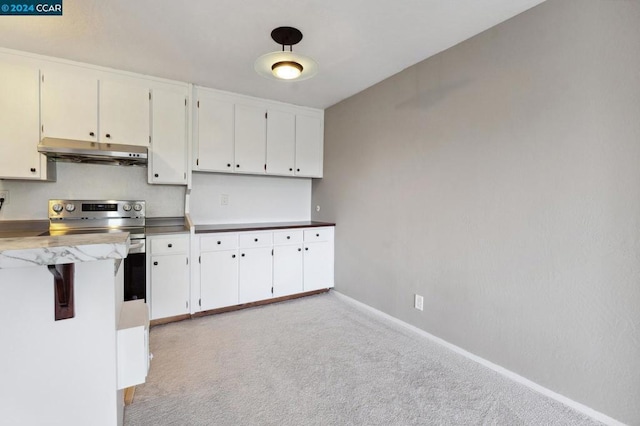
(306, 248)
(317, 235)
(155, 263)
(155, 175)
(299, 249)
(297, 170)
(237, 166)
(290, 169)
(233, 256)
(33, 170)
(91, 134)
(255, 239)
(169, 245)
(288, 237)
(108, 136)
(242, 255)
(218, 242)
(228, 164)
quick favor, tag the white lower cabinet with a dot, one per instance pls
(168, 275)
(254, 275)
(218, 279)
(245, 267)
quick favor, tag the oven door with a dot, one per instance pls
(135, 272)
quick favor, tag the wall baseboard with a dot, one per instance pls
(501, 370)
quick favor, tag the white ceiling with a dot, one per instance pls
(214, 43)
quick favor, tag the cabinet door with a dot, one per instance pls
(318, 265)
(19, 122)
(281, 141)
(218, 279)
(287, 270)
(250, 139)
(124, 113)
(309, 146)
(168, 151)
(255, 274)
(215, 135)
(169, 286)
(69, 105)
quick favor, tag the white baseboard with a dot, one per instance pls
(507, 373)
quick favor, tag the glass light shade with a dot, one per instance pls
(287, 70)
(267, 64)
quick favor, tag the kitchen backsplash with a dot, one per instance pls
(29, 199)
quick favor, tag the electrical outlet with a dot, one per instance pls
(418, 302)
(224, 199)
(4, 193)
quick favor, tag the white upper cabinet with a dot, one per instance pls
(214, 133)
(250, 139)
(20, 123)
(83, 105)
(168, 154)
(281, 142)
(124, 113)
(309, 145)
(238, 134)
(69, 105)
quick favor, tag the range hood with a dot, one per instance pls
(75, 151)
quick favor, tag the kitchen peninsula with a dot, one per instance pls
(47, 363)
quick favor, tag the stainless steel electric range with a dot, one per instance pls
(99, 216)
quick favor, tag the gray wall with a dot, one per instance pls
(500, 179)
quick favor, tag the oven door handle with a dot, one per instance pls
(136, 248)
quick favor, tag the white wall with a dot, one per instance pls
(500, 180)
(29, 199)
(251, 199)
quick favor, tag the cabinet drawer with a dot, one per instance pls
(219, 242)
(169, 245)
(256, 239)
(318, 234)
(287, 237)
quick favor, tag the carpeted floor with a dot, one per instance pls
(323, 361)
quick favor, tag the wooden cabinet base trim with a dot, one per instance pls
(128, 395)
(236, 307)
(258, 303)
(166, 320)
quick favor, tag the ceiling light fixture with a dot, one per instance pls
(286, 65)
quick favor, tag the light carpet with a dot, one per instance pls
(320, 360)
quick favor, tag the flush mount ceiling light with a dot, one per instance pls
(286, 65)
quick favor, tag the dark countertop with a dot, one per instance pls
(35, 228)
(265, 226)
(23, 228)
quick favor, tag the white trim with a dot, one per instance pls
(507, 373)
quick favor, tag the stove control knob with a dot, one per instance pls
(57, 208)
(137, 207)
(70, 207)
(126, 207)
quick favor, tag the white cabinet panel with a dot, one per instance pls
(255, 274)
(290, 236)
(218, 279)
(168, 162)
(169, 245)
(318, 265)
(309, 146)
(219, 242)
(287, 270)
(19, 122)
(281, 141)
(215, 133)
(250, 139)
(169, 286)
(69, 105)
(256, 239)
(124, 113)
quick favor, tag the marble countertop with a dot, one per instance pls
(53, 250)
